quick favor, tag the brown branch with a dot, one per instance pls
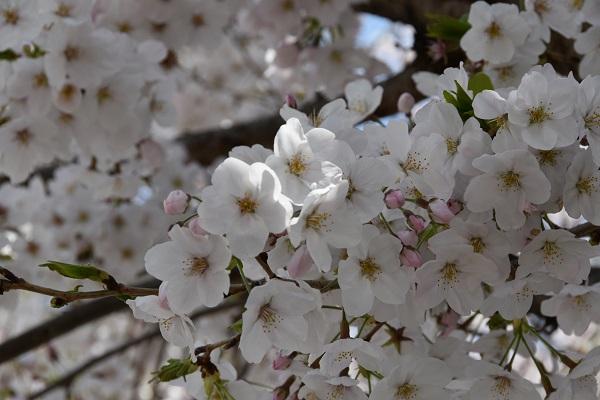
(67, 297)
(68, 379)
(75, 317)
(14, 283)
(225, 344)
(584, 229)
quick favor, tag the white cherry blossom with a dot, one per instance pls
(245, 203)
(195, 267)
(501, 28)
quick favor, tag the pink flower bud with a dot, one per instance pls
(455, 206)
(417, 223)
(196, 228)
(449, 321)
(394, 199)
(406, 101)
(411, 258)
(291, 101)
(281, 363)
(408, 238)
(441, 212)
(176, 202)
(300, 263)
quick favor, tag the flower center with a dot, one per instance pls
(586, 185)
(541, 6)
(493, 31)
(538, 114)
(551, 251)
(196, 266)
(502, 386)
(247, 205)
(510, 180)
(351, 189)
(269, 318)
(71, 53)
(124, 27)
(63, 10)
(287, 5)
(296, 165)
(505, 72)
(103, 95)
(315, 118)
(450, 273)
(67, 92)
(40, 80)
(336, 393)
(360, 106)
(548, 157)
(577, 4)
(452, 146)
(198, 20)
(23, 136)
(11, 16)
(478, 244)
(317, 220)
(414, 164)
(592, 120)
(369, 269)
(406, 392)
(127, 253)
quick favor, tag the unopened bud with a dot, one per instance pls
(196, 228)
(394, 199)
(408, 238)
(406, 101)
(417, 223)
(411, 258)
(441, 212)
(450, 322)
(176, 202)
(290, 100)
(455, 206)
(281, 363)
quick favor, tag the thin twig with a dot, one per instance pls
(68, 379)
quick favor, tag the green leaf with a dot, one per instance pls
(32, 50)
(427, 233)
(450, 98)
(480, 82)
(75, 271)
(236, 326)
(447, 28)
(173, 369)
(8, 55)
(234, 263)
(465, 103)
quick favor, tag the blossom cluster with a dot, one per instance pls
(443, 215)
(363, 250)
(92, 79)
